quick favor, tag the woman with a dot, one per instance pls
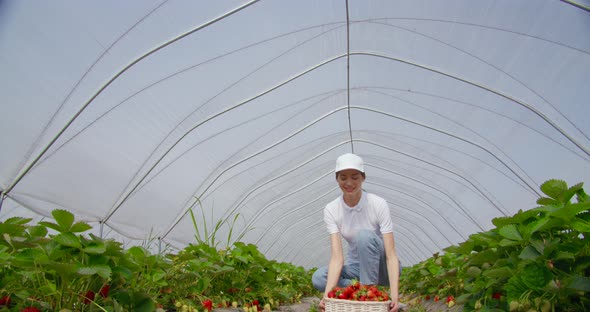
(364, 221)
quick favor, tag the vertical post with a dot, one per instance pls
(2, 195)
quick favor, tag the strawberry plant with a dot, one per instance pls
(537, 259)
(67, 270)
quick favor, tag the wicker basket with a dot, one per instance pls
(340, 305)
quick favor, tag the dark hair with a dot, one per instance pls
(362, 173)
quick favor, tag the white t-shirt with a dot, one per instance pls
(371, 213)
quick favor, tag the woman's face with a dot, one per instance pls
(350, 181)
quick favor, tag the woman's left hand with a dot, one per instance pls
(394, 305)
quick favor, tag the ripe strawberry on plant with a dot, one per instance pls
(450, 301)
(5, 301)
(436, 298)
(30, 309)
(88, 297)
(208, 304)
(497, 296)
(104, 290)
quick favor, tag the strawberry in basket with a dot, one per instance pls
(359, 292)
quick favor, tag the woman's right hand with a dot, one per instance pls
(322, 305)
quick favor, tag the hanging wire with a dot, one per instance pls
(577, 5)
(348, 75)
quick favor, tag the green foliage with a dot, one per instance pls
(57, 271)
(537, 259)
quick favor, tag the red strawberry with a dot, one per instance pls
(255, 302)
(436, 298)
(104, 291)
(450, 298)
(497, 296)
(30, 309)
(332, 294)
(5, 301)
(88, 297)
(427, 297)
(208, 304)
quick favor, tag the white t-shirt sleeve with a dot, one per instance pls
(384, 216)
(330, 220)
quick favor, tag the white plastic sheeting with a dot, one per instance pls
(124, 112)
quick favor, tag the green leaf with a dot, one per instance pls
(582, 196)
(473, 271)
(502, 221)
(63, 269)
(143, 304)
(17, 220)
(515, 288)
(539, 245)
(103, 271)
(547, 201)
(576, 189)
(64, 219)
(529, 253)
(568, 212)
(508, 242)
(137, 253)
(535, 276)
(242, 259)
(581, 226)
(553, 188)
(225, 269)
(124, 272)
(578, 283)
(26, 257)
(551, 224)
(482, 257)
(511, 232)
(49, 289)
(11, 229)
(50, 225)
(95, 248)
(464, 248)
(534, 226)
(68, 239)
(564, 255)
(158, 275)
(499, 273)
(38, 231)
(80, 227)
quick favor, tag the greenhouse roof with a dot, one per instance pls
(130, 114)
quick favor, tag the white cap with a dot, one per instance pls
(349, 161)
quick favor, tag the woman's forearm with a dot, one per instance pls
(393, 274)
(334, 270)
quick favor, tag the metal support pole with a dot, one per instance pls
(2, 196)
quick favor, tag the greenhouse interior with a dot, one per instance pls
(181, 155)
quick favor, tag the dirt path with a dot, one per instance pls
(304, 306)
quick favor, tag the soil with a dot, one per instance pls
(304, 306)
